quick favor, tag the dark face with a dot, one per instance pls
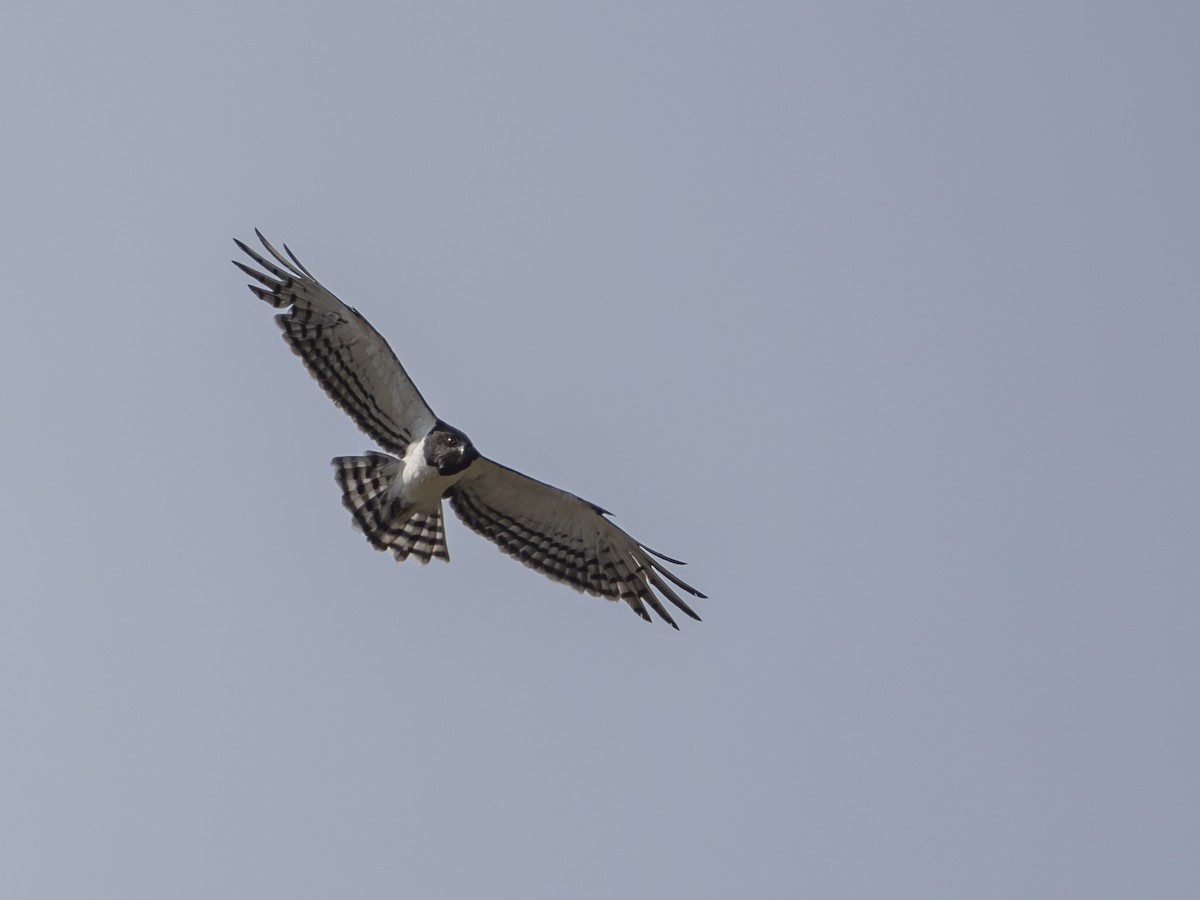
(449, 450)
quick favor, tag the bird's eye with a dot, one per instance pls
(451, 440)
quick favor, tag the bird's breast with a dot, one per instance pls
(419, 485)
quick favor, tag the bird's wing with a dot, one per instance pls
(349, 358)
(565, 538)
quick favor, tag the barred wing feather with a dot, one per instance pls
(566, 538)
(340, 348)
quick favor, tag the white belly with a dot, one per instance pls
(420, 486)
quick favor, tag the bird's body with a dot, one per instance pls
(396, 497)
(417, 484)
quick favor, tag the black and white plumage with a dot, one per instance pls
(396, 500)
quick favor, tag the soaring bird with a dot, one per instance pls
(395, 497)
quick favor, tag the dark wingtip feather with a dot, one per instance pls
(662, 556)
(255, 274)
(300, 265)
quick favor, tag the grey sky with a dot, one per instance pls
(883, 316)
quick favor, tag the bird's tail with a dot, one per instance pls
(364, 481)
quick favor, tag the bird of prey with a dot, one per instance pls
(396, 497)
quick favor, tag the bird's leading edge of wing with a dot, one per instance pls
(565, 538)
(340, 348)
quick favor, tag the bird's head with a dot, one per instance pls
(449, 450)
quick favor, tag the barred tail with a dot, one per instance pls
(364, 482)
